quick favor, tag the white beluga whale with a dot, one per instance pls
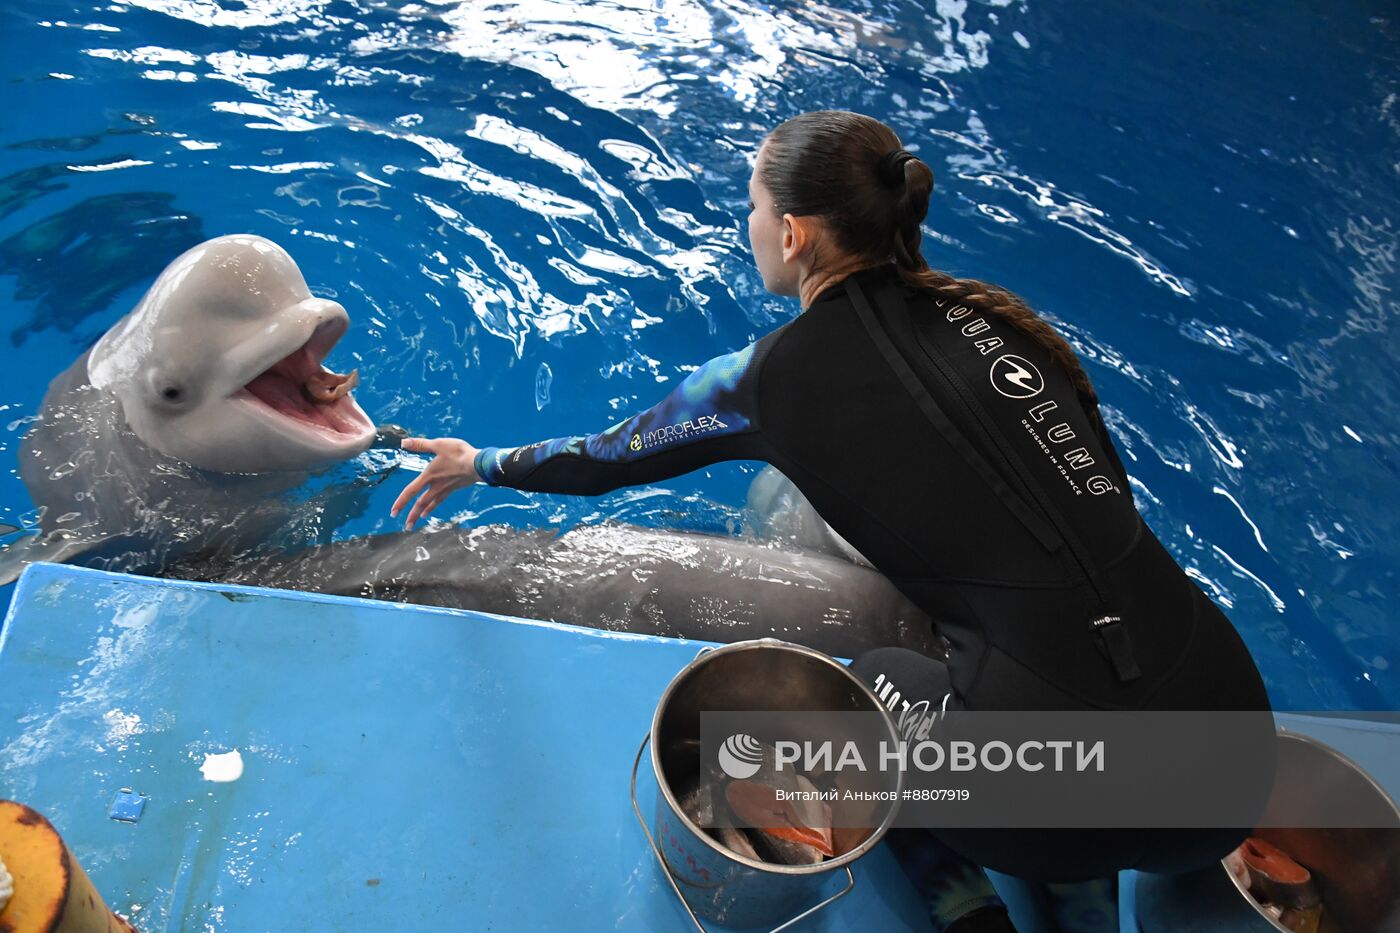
(188, 425)
(220, 364)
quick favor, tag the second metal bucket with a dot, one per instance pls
(711, 880)
(1357, 869)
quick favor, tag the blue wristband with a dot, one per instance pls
(479, 464)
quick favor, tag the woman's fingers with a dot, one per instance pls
(422, 445)
(450, 470)
(416, 511)
(425, 504)
(412, 489)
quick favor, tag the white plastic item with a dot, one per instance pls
(7, 886)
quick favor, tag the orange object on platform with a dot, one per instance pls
(52, 894)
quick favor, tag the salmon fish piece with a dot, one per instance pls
(1276, 878)
(759, 806)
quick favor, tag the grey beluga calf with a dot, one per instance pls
(617, 577)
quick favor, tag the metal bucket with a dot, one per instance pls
(1357, 870)
(711, 880)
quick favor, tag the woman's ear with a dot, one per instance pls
(795, 237)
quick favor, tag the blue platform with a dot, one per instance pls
(405, 768)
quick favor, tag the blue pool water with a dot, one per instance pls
(533, 212)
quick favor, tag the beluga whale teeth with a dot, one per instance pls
(326, 388)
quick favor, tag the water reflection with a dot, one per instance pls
(69, 266)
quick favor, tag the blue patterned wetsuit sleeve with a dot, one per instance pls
(711, 416)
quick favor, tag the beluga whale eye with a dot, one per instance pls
(168, 389)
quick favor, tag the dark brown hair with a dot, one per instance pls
(850, 170)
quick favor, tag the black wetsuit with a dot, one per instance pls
(996, 503)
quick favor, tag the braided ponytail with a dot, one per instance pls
(844, 167)
(985, 298)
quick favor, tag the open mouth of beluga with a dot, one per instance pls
(299, 388)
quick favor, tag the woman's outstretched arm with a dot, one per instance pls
(711, 416)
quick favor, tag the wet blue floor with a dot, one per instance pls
(403, 768)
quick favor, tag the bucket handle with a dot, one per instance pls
(666, 869)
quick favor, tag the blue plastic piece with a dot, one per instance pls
(403, 767)
(127, 806)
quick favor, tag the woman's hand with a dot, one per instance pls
(453, 466)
